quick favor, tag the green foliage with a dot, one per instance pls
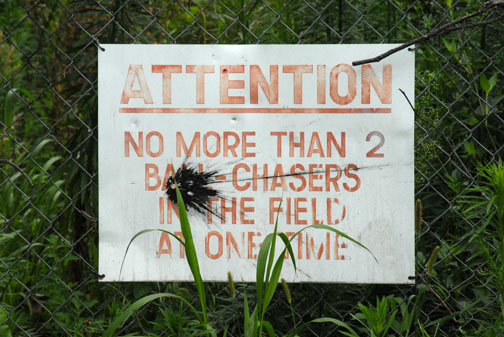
(4, 329)
(484, 206)
(378, 320)
(267, 277)
(429, 110)
(390, 313)
(192, 257)
(488, 84)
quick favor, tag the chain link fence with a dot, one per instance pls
(48, 163)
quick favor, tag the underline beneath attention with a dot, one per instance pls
(258, 110)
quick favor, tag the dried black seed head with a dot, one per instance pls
(194, 187)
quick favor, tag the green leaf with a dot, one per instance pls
(496, 99)
(5, 331)
(272, 276)
(472, 120)
(261, 268)
(432, 260)
(469, 147)
(390, 321)
(485, 84)
(492, 81)
(273, 282)
(141, 233)
(8, 115)
(269, 329)
(271, 257)
(40, 146)
(332, 229)
(8, 110)
(450, 46)
(3, 314)
(249, 320)
(130, 310)
(50, 162)
(287, 244)
(246, 317)
(207, 330)
(190, 249)
(351, 332)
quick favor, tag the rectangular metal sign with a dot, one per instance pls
(252, 132)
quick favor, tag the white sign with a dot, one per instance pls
(261, 124)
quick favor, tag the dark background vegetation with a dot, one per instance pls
(48, 127)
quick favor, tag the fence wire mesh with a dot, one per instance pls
(48, 163)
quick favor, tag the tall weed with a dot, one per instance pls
(483, 205)
(268, 272)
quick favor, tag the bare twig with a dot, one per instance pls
(452, 148)
(476, 24)
(439, 297)
(86, 215)
(449, 27)
(5, 161)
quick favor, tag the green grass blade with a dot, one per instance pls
(246, 316)
(207, 330)
(261, 268)
(130, 310)
(251, 328)
(250, 320)
(8, 116)
(390, 321)
(255, 321)
(190, 249)
(337, 322)
(340, 233)
(273, 282)
(273, 245)
(141, 233)
(288, 245)
(269, 252)
(269, 329)
(269, 285)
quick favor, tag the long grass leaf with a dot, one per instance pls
(260, 269)
(390, 321)
(432, 259)
(8, 115)
(192, 257)
(246, 316)
(340, 233)
(130, 310)
(334, 321)
(288, 245)
(207, 329)
(40, 145)
(273, 245)
(141, 233)
(273, 283)
(253, 323)
(268, 283)
(269, 329)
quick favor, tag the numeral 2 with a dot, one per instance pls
(372, 153)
